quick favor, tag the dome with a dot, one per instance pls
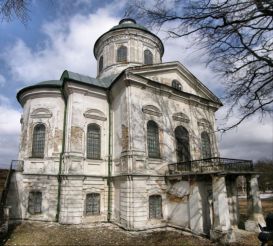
(125, 45)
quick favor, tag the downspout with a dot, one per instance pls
(61, 157)
(109, 157)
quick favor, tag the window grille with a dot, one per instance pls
(205, 145)
(176, 85)
(155, 207)
(153, 140)
(122, 54)
(93, 204)
(101, 64)
(182, 144)
(38, 141)
(93, 141)
(148, 57)
(35, 202)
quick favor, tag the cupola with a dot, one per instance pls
(125, 45)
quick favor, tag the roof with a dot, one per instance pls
(125, 24)
(71, 76)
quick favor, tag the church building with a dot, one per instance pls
(134, 146)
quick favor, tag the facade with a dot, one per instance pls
(135, 146)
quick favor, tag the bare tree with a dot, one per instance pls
(14, 8)
(237, 34)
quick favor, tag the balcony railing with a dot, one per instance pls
(215, 164)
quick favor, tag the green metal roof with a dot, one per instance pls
(76, 77)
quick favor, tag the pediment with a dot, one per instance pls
(204, 122)
(166, 73)
(95, 114)
(152, 110)
(181, 117)
(41, 113)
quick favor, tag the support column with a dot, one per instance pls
(254, 205)
(221, 230)
(232, 200)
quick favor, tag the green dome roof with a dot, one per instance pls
(129, 23)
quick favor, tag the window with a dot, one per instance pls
(155, 207)
(101, 64)
(182, 144)
(122, 54)
(93, 141)
(153, 140)
(205, 145)
(176, 85)
(38, 141)
(148, 57)
(35, 202)
(93, 204)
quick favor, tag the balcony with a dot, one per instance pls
(211, 165)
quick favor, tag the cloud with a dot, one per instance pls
(66, 46)
(9, 131)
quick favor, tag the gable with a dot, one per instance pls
(166, 73)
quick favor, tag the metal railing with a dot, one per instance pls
(213, 164)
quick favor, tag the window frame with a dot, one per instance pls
(182, 142)
(36, 150)
(93, 212)
(148, 57)
(91, 145)
(177, 85)
(122, 54)
(33, 204)
(101, 64)
(153, 144)
(157, 213)
(206, 151)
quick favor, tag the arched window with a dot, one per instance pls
(38, 141)
(101, 64)
(205, 145)
(148, 57)
(92, 204)
(93, 141)
(35, 202)
(155, 207)
(182, 144)
(122, 54)
(153, 140)
(176, 84)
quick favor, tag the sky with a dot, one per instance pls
(60, 36)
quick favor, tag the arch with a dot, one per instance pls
(205, 145)
(182, 144)
(100, 63)
(148, 57)
(155, 207)
(153, 139)
(122, 54)
(177, 85)
(38, 141)
(93, 141)
(92, 204)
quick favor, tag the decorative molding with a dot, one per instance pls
(41, 113)
(95, 114)
(203, 122)
(152, 110)
(181, 117)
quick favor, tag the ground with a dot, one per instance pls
(41, 233)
